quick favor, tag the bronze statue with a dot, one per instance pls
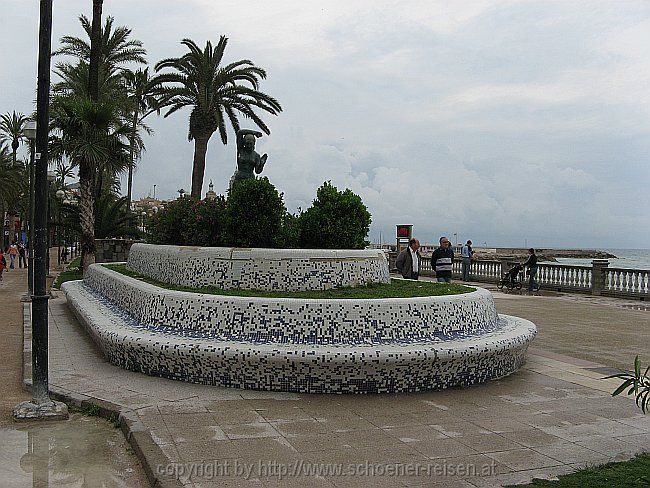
(247, 159)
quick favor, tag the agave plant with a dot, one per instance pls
(636, 384)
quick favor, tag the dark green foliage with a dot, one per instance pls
(174, 225)
(254, 214)
(112, 219)
(189, 222)
(636, 384)
(290, 233)
(207, 225)
(336, 220)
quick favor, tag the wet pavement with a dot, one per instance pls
(83, 451)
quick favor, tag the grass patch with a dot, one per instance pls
(95, 411)
(72, 272)
(396, 289)
(88, 411)
(632, 473)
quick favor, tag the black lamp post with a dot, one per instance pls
(41, 406)
(30, 133)
(51, 177)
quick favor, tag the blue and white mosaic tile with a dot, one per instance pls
(315, 346)
(259, 269)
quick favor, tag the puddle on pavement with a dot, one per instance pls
(83, 451)
(642, 307)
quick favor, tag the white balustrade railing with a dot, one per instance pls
(564, 276)
(627, 281)
(620, 282)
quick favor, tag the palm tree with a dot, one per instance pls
(90, 133)
(92, 136)
(116, 46)
(144, 97)
(216, 94)
(12, 188)
(12, 126)
(112, 218)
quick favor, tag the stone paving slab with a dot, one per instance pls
(550, 418)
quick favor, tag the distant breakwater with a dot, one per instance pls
(547, 255)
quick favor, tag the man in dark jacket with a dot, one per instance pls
(531, 264)
(408, 261)
(442, 260)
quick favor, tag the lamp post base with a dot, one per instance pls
(49, 410)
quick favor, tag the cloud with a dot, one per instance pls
(496, 120)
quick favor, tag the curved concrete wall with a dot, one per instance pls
(298, 321)
(259, 269)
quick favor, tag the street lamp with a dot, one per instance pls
(144, 214)
(181, 193)
(41, 406)
(154, 192)
(51, 178)
(30, 134)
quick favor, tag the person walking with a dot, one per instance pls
(22, 259)
(13, 252)
(408, 261)
(3, 263)
(531, 264)
(442, 260)
(466, 253)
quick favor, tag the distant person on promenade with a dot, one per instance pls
(3, 263)
(442, 260)
(466, 252)
(13, 252)
(22, 260)
(531, 264)
(408, 261)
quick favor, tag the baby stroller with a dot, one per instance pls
(511, 279)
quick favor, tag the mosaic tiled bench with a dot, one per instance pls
(315, 346)
(259, 269)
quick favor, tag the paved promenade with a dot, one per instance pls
(84, 451)
(552, 417)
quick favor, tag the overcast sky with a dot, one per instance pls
(507, 122)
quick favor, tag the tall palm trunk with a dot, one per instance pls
(198, 167)
(86, 177)
(87, 216)
(134, 126)
(95, 50)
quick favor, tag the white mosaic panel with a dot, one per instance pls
(259, 269)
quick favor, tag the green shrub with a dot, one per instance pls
(290, 232)
(174, 224)
(254, 214)
(206, 227)
(336, 220)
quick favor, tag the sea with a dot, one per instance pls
(625, 258)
